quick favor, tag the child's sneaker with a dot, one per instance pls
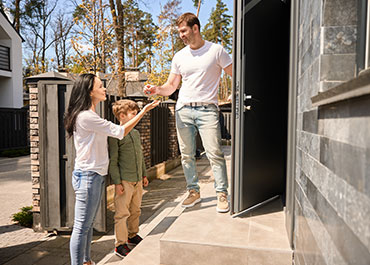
(134, 240)
(122, 250)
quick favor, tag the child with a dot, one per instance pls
(127, 170)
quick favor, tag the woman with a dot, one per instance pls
(91, 164)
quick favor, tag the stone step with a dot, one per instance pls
(200, 235)
(147, 252)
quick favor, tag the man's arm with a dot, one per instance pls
(229, 69)
(167, 88)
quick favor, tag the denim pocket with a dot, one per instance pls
(76, 180)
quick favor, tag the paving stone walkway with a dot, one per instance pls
(20, 245)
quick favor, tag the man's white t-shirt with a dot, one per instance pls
(90, 139)
(200, 71)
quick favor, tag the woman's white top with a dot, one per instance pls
(90, 139)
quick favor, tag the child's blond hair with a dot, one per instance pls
(123, 106)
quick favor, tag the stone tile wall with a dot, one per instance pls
(332, 213)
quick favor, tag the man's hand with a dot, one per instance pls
(150, 90)
(119, 189)
(151, 106)
(145, 181)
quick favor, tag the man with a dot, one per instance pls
(198, 66)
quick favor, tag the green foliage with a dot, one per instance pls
(139, 33)
(24, 217)
(219, 29)
(15, 152)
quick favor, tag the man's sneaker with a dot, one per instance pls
(122, 250)
(192, 199)
(222, 202)
(134, 240)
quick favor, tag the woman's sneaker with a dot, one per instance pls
(132, 242)
(122, 250)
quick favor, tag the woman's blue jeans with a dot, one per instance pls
(205, 121)
(88, 188)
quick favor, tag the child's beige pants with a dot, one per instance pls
(127, 206)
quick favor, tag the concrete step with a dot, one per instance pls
(147, 252)
(200, 235)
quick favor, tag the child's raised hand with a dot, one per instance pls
(151, 105)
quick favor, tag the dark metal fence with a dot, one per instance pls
(13, 128)
(159, 137)
(4, 58)
(159, 134)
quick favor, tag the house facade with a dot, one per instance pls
(323, 92)
(11, 84)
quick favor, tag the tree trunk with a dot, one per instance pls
(103, 64)
(198, 9)
(117, 16)
(17, 15)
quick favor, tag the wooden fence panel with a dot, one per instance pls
(13, 129)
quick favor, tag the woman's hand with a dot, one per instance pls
(151, 106)
(119, 189)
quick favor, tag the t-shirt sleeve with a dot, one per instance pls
(92, 122)
(224, 58)
(175, 66)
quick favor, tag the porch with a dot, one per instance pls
(200, 235)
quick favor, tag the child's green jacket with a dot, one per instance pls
(126, 160)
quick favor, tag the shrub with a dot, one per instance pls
(24, 217)
(15, 152)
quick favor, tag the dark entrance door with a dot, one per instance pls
(261, 56)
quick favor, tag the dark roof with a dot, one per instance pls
(6, 17)
(47, 76)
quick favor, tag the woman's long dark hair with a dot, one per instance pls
(80, 100)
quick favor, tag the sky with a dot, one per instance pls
(188, 6)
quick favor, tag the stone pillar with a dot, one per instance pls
(35, 153)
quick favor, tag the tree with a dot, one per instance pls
(118, 23)
(139, 34)
(14, 8)
(197, 4)
(37, 18)
(92, 39)
(62, 28)
(218, 29)
(167, 19)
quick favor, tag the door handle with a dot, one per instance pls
(247, 105)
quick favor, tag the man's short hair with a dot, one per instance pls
(190, 20)
(124, 106)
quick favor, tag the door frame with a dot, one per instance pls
(292, 121)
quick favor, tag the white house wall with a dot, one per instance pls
(11, 85)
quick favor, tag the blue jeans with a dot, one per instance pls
(205, 120)
(88, 188)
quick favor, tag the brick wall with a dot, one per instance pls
(173, 151)
(34, 143)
